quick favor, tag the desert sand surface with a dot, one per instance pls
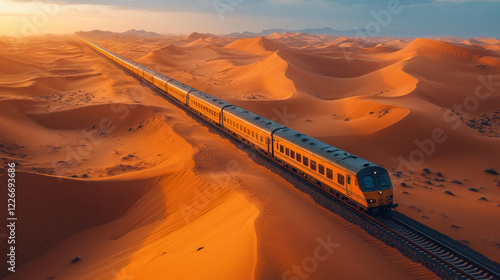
(382, 99)
(112, 173)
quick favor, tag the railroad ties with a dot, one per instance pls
(439, 251)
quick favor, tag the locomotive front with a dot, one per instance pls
(376, 186)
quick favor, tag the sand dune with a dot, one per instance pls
(196, 36)
(440, 50)
(135, 187)
(259, 45)
(388, 100)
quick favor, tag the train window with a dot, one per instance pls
(287, 151)
(253, 134)
(313, 165)
(382, 179)
(282, 148)
(292, 154)
(368, 182)
(356, 182)
(329, 173)
(261, 139)
(340, 179)
(305, 161)
(348, 179)
(321, 169)
(277, 146)
(299, 157)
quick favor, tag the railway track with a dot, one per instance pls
(442, 258)
(454, 260)
(452, 263)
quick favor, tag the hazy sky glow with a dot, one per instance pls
(465, 18)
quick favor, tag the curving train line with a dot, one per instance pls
(341, 174)
(361, 185)
(456, 261)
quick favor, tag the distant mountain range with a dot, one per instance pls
(315, 31)
(141, 33)
(149, 34)
(131, 32)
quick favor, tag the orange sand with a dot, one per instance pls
(165, 197)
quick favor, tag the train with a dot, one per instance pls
(359, 182)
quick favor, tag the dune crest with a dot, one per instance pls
(258, 45)
(181, 200)
(434, 48)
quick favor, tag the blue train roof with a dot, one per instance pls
(340, 158)
(254, 119)
(216, 102)
(180, 86)
(162, 77)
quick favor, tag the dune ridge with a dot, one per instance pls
(183, 201)
(405, 86)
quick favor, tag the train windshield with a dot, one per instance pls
(382, 178)
(368, 182)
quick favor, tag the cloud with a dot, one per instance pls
(152, 5)
(419, 17)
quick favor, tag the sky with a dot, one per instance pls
(409, 18)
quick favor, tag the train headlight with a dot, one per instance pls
(389, 197)
(371, 200)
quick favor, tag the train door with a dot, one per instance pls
(348, 186)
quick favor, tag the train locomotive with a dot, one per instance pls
(362, 183)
